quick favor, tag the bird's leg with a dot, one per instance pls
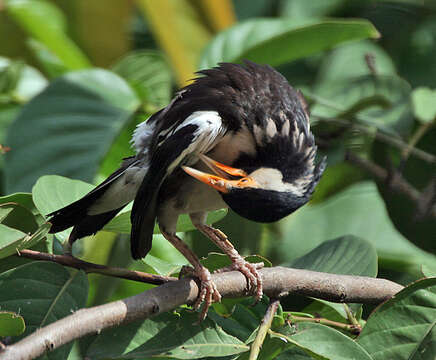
(68, 245)
(208, 291)
(249, 270)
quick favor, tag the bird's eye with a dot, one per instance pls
(244, 180)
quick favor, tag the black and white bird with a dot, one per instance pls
(237, 137)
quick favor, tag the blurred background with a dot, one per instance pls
(77, 76)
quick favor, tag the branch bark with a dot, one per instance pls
(278, 281)
(71, 261)
(396, 182)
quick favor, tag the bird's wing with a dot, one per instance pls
(197, 134)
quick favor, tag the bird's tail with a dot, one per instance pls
(92, 212)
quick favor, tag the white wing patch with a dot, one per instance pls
(210, 130)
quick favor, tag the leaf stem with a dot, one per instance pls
(352, 328)
(351, 318)
(265, 325)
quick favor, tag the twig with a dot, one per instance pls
(350, 316)
(419, 133)
(396, 182)
(395, 142)
(276, 281)
(88, 267)
(352, 328)
(265, 325)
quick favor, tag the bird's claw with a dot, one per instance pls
(208, 293)
(249, 270)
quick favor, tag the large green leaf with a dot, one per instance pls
(68, 127)
(278, 41)
(347, 255)
(52, 192)
(149, 75)
(167, 335)
(43, 292)
(350, 61)
(359, 211)
(404, 326)
(19, 81)
(323, 342)
(43, 21)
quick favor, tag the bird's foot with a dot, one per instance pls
(208, 293)
(249, 270)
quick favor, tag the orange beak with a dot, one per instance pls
(222, 180)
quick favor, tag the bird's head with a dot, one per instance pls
(260, 194)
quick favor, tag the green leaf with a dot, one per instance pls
(424, 104)
(323, 342)
(150, 338)
(18, 217)
(43, 21)
(9, 240)
(149, 75)
(51, 64)
(11, 324)
(391, 112)
(43, 292)
(349, 61)
(12, 240)
(68, 128)
(278, 41)
(24, 199)
(162, 267)
(359, 211)
(20, 81)
(238, 317)
(404, 326)
(347, 255)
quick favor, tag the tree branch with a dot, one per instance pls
(396, 182)
(277, 281)
(88, 267)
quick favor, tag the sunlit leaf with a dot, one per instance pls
(43, 21)
(278, 41)
(424, 104)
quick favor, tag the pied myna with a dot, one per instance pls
(237, 137)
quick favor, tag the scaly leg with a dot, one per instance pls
(249, 270)
(208, 291)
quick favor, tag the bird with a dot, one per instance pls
(237, 137)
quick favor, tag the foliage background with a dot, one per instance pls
(76, 77)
